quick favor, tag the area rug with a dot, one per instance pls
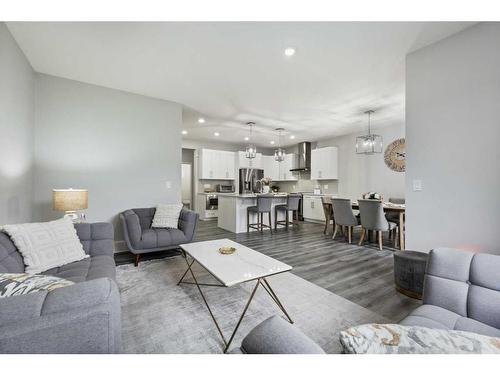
(158, 316)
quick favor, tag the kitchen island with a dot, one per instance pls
(233, 211)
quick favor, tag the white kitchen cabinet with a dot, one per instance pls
(244, 162)
(324, 163)
(216, 165)
(285, 166)
(271, 167)
(312, 208)
(279, 171)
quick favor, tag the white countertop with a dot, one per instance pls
(214, 193)
(243, 265)
(249, 195)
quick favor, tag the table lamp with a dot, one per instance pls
(69, 201)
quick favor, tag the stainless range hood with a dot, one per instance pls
(303, 158)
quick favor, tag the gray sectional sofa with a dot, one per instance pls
(141, 238)
(81, 318)
(461, 292)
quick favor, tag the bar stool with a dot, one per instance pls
(264, 204)
(292, 204)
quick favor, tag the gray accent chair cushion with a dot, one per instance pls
(80, 318)
(461, 292)
(141, 238)
(276, 336)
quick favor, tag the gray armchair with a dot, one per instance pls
(80, 318)
(141, 238)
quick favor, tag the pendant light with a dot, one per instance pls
(250, 150)
(279, 153)
(370, 143)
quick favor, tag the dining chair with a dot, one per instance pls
(328, 211)
(394, 216)
(343, 216)
(373, 218)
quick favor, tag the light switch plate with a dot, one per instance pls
(325, 187)
(168, 184)
(417, 185)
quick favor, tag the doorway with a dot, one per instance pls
(187, 186)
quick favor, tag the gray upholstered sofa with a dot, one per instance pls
(461, 292)
(80, 318)
(277, 336)
(141, 238)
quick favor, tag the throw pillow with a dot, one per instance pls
(167, 216)
(46, 245)
(15, 284)
(398, 339)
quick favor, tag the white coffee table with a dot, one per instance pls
(242, 266)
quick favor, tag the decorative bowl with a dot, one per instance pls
(226, 250)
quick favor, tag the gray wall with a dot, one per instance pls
(358, 174)
(16, 131)
(453, 134)
(122, 147)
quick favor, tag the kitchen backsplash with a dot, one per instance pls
(302, 185)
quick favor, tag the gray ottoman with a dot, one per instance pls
(409, 270)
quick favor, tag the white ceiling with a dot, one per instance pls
(231, 73)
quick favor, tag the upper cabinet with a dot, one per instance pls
(271, 167)
(324, 163)
(285, 166)
(244, 162)
(279, 171)
(216, 165)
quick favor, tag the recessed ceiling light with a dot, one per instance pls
(292, 137)
(289, 51)
(216, 134)
(184, 132)
(246, 138)
(201, 120)
(272, 142)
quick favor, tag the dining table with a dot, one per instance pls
(393, 207)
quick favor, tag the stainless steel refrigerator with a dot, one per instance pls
(249, 179)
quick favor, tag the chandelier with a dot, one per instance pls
(370, 143)
(250, 150)
(279, 153)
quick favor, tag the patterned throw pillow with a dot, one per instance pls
(46, 245)
(398, 339)
(15, 284)
(167, 216)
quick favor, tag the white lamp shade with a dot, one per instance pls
(69, 199)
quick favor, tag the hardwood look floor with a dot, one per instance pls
(361, 274)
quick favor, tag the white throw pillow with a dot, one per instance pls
(167, 216)
(46, 245)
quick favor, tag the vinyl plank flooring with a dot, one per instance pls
(361, 274)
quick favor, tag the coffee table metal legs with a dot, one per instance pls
(261, 281)
(275, 298)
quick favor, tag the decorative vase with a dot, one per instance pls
(265, 189)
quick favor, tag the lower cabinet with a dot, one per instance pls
(313, 208)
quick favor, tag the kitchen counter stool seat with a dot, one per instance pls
(264, 204)
(292, 204)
